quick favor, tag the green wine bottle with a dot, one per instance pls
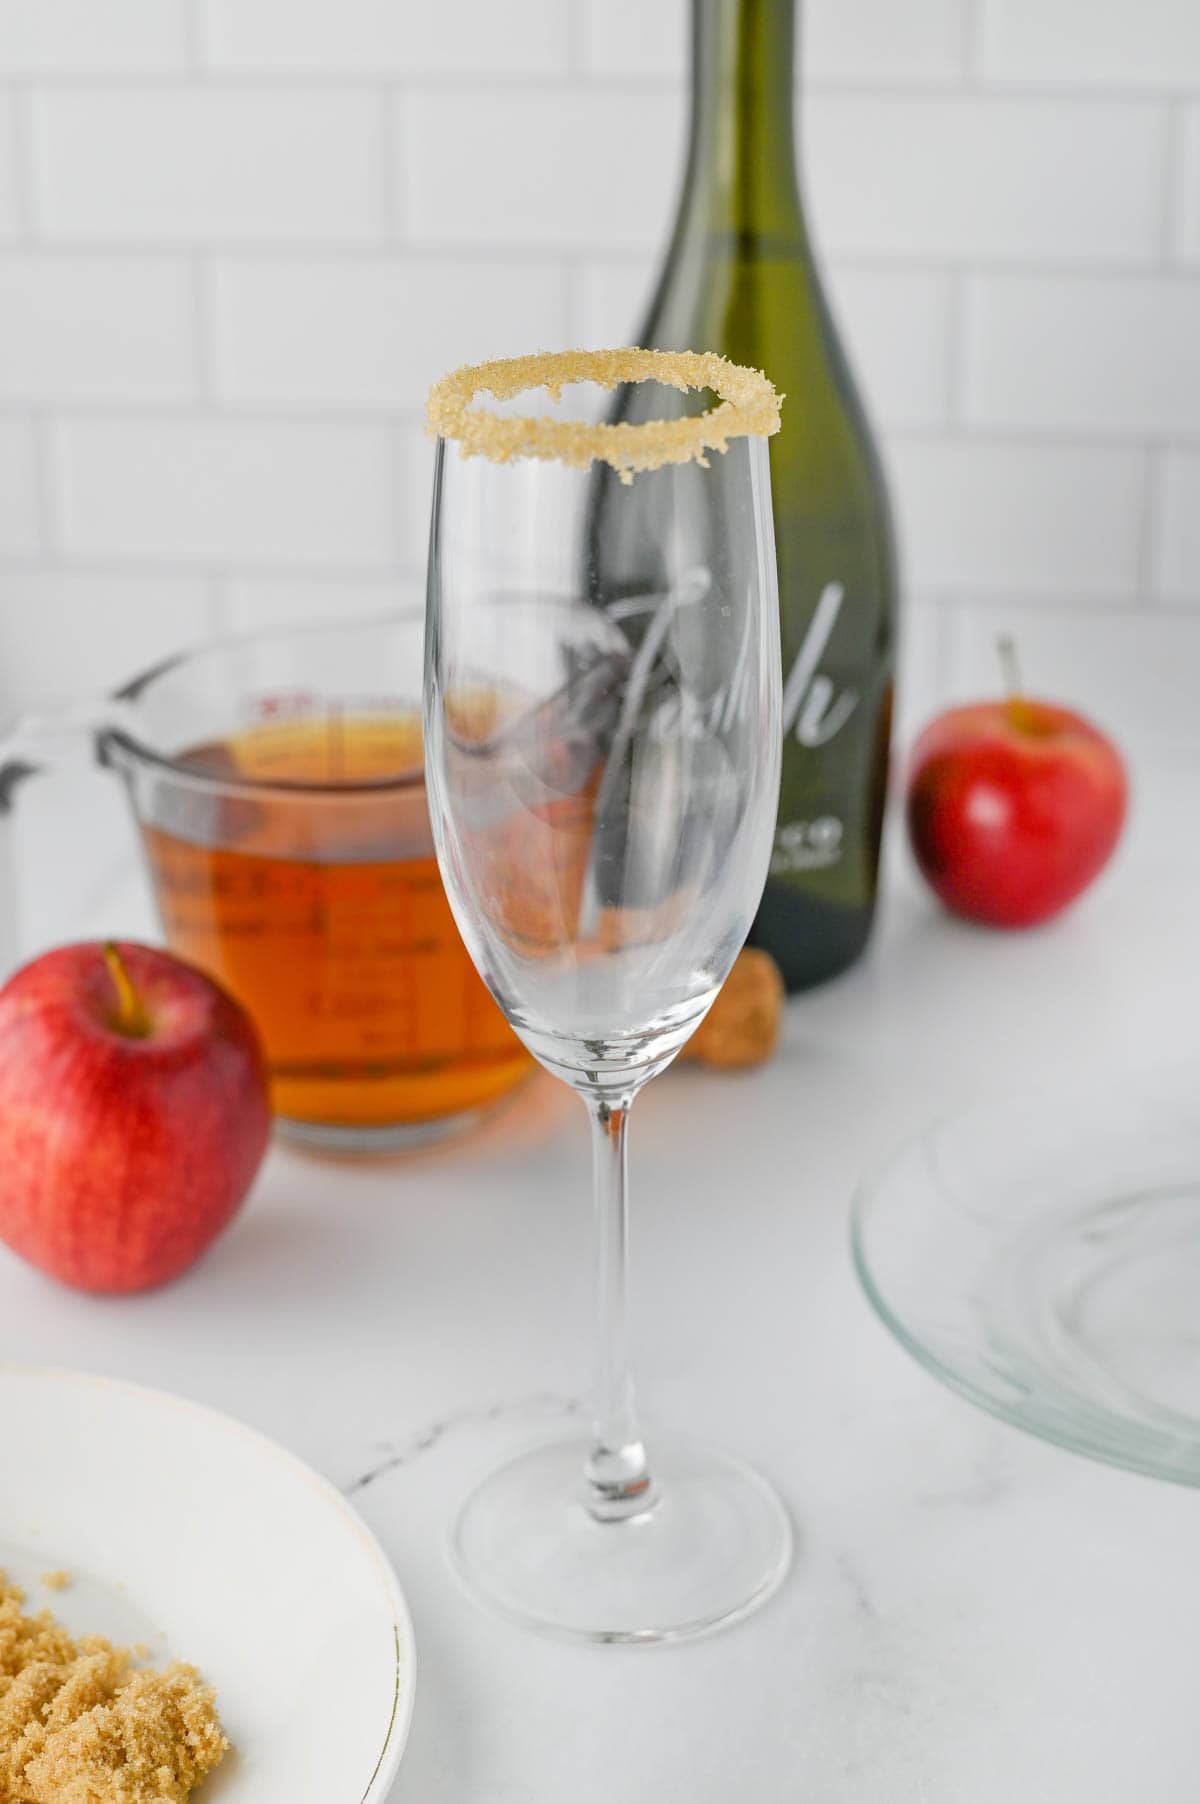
(740, 277)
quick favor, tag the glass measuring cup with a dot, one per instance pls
(278, 786)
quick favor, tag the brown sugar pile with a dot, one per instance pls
(79, 1725)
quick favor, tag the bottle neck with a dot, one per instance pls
(741, 168)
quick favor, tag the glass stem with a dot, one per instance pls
(617, 1479)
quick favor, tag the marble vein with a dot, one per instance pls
(424, 1440)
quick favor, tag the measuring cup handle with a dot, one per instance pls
(37, 743)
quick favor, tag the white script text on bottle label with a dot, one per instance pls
(812, 708)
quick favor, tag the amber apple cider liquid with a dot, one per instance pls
(323, 912)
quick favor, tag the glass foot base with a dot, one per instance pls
(356, 1141)
(714, 1545)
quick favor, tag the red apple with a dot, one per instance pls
(133, 1114)
(1013, 808)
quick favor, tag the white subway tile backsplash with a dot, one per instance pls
(921, 669)
(1078, 354)
(1177, 552)
(908, 176)
(564, 169)
(611, 296)
(986, 178)
(61, 37)
(997, 518)
(378, 37)
(629, 37)
(837, 40)
(91, 329)
(1111, 43)
(64, 634)
(214, 492)
(895, 325)
(897, 330)
(876, 40)
(371, 334)
(194, 165)
(1133, 673)
(238, 238)
(252, 604)
(18, 489)
(414, 495)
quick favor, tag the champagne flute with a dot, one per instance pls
(602, 742)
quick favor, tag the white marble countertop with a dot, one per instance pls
(973, 1617)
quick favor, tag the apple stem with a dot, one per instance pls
(131, 1017)
(1006, 651)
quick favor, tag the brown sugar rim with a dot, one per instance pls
(747, 406)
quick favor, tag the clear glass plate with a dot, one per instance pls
(1041, 1255)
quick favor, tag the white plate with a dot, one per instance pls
(187, 1531)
